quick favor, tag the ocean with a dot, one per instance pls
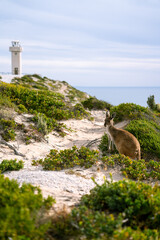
(117, 95)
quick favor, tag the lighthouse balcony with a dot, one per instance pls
(15, 49)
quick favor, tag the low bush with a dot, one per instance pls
(84, 157)
(129, 111)
(57, 160)
(75, 94)
(134, 169)
(39, 101)
(7, 129)
(22, 211)
(42, 123)
(94, 103)
(5, 102)
(11, 165)
(79, 111)
(93, 224)
(148, 134)
(22, 108)
(120, 210)
(104, 145)
(137, 201)
(45, 124)
(38, 77)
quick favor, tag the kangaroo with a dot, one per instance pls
(124, 141)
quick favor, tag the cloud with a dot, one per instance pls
(89, 38)
(110, 63)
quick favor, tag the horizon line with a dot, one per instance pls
(118, 86)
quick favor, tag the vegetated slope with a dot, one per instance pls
(69, 93)
(47, 100)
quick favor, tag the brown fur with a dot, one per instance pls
(124, 141)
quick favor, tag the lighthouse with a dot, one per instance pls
(16, 49)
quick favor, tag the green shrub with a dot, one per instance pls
(24, 79)
(9, 135)
(79, 111)
(28, 81)
(7, 129)
(39, 86)
(148, 134)
(84, 157)
(151, 102)
(129, 233)
(22, 211)
(68, 158)
(134, 169)
(121, 210)
(40, 101)
(95, 224)
(129, 111)
(6, 102)
(38, 76)
(104, 145)
(46, 124)
(94, 103)
(42, 124)
(11, 165)
(62, 227)
(7, 123)
(92, 224)
(138, 202)
(27, 78)
(75, 94)
(22, 108)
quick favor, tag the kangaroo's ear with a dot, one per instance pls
(107, 114)
(113, 115)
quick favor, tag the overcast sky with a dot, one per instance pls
(84, 42)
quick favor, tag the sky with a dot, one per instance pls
(84, 42)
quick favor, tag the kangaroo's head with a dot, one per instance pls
(109, 118)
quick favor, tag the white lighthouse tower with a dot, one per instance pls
(16, 50)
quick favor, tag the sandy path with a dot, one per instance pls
(67, 186)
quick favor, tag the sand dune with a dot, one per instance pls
(65, 186)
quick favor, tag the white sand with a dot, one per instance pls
(65, 186)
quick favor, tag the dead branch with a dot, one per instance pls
(2, 141)
(90, 143)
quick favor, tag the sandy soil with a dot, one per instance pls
(67, 186)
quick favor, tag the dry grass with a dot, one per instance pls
(7, 113)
